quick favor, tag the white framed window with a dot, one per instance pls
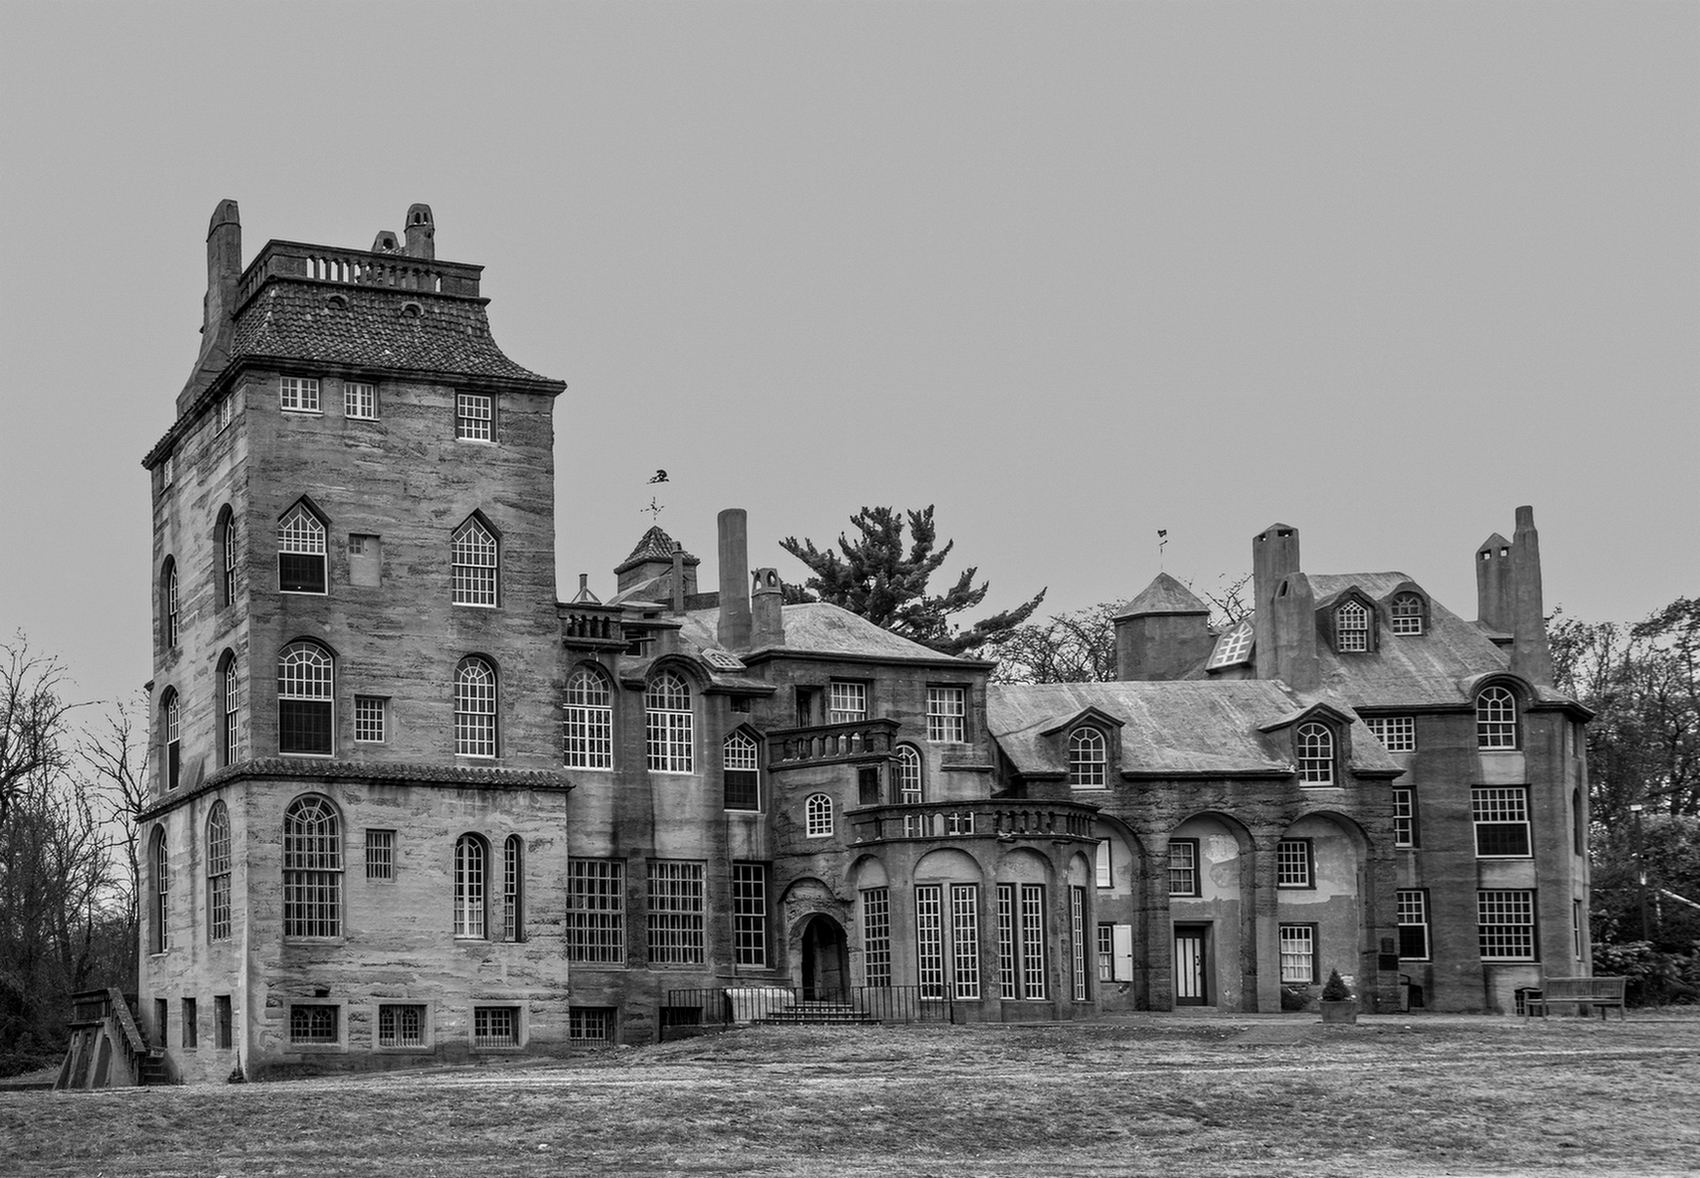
(1351, 627)
(401, 1025)
(1102, 874)
(380, 854)
(359, 401)
(909, 788)
(230, 706)
(817, 816)
(315, 1024)
(846, 702)
(475, 558)
(513, 888)
(161, 897)
(172, 714)
(1404, 817)
(312, 869)
(300, 552)
(1298, 953)
(306, 684)
(1397, 734)
(495, 1027)
(1086, 758)
(929, 940)
(667, 724)
(1032, 929)
(876, 936)
(171, 614)
(475, 708)
(1407, 613)
(1412, 907)
(1314, 744)
(965, 939)
(1009, 982)
(1505, 924)
(1496, 719)
(1233, 647)
(675, 913)
(218, 873)
(739, 771)
(475, 417)
(1077, 939)
(470, 859)
(947, 714)
(749, 915)
(1501, 816)
(590, 720)
(298, 394)
(1106, 944)
(1183, 867)
(1293, 864)
(226, 412)
(596, 911)
(370, 713)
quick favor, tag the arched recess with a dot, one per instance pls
(1121, 918)
(1212, 936)
(817, 954)
(1325, 908)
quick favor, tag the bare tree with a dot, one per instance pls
(32, 719)
(116, 756)
(1077, 647)
(1227, 603)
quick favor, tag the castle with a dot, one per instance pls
(408, 805)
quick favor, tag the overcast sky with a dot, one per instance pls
(1072, 272)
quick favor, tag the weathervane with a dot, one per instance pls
(1162, 542)
(655, 508)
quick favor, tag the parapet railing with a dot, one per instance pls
(357, 268)
(1005, 820)
(718, 1006)
(791, 747)
(593, 626)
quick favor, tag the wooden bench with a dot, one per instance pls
(1579, 992)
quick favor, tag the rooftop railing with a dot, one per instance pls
(1005, 820)
(357, 268)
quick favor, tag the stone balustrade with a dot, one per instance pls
(791, 747)
(1004, 820)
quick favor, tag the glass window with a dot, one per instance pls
(817, 811)
(1501, 815)
(929, 940)
(1183, 867)
(1496, 719)
(947, 714)
(596, 911)
(513, 889)
(1404, 817)
(1351, 627)
(475, 561)
(314, 1023)
(876, 936)
(1298, 953)
(590, 720)
(1315, 745)
(298, 394)
(475, 709)
(667, 721)
(1505, 923)
(401, 1025)
(1413, 924)
(172, 715)
(305, 688)
(226, 558)
(1086, 759)
(475, 417)
(1293, 864)
(1407, 611)
(846, 702)
(1233, 647)
(218, 873)
(161, 892)
(738, 767)
(230, 704)
(965, 940)
(300, 552)
(1397, 734)
(675, 913)
(749, 914)
(495, 1026)
(171, 615)
(312, 869)
(380, 854)
(469, 887)
(369, 714)
(359, 401)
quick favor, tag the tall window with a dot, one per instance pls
(929, 940)
(1032, 929)
(738, 768)
(596, 911)
(1404, 817)
(1298, 953)
(876, 936)
(469, 887)
(359, 400)
(1397, 734)
(226, 534)
(965, 939)
(846, 702)
(1086, 759)
(513, 889)
(230, 705)
(817, 816)
(749, 915)
(908, 774)
(675, 913)
(1496, 719)
(475, 708)
(171, 721)
(1077, 939)
(667, 723)
(947, 714)
(312, 869)
(305, 690)
(168, 587)
(590, 721)
(474, 554)
(1183, 867)
(475, 417)
(1501, 815)
(1293, 864)
(161, 893)
(218, 873)
(1351, 627)
(1009, 983)
(300, 551)
(298, 394)
(1407, 610)
(1413, 924)
(1505, 924)
(1103, 875)
(1315, 744)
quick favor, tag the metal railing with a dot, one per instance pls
(742, 1005)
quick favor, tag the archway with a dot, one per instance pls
(826, 960)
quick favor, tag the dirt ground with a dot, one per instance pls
(1152, 1094)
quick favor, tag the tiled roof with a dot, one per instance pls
(1164, 595)
(655, 545)
(297, 320)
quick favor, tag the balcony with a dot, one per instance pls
(399, 272)
(1016, 820)
(592, 626)
(825, 744)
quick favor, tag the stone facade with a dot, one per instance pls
(409, 806)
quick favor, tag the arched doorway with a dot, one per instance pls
(826, 960)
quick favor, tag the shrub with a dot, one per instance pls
(1335, 990)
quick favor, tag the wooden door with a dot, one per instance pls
(1192, 975)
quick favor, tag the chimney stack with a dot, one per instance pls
(1493, 584)
(678, 581)
(1531, 656)
(768, 608)
(420, 233)
(734, 629)
(218, 308)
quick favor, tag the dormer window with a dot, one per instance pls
(1351, 627)
(1232, 648)
(1407, 611)
(1086, 758)
(1496, 719)
(1314, 751)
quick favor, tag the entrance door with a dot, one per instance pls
(1192, 977)
(826, 970)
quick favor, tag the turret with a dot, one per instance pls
(1162, 633)
(421, 233)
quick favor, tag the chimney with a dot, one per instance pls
(1531, 656)
(421, 233)
(218, 308)
(734, 629)
(1274, 557)
(768, 609)
(1293, 612)
(678, 581)
(1493, 584)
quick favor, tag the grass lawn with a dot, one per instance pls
(1156, 1094)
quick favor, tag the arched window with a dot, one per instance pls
(218, 873)
(1407, 611)
(168, 591)
(817, 816)
(230, 707)
(1351, 627)
(312, 869)
(161, 892)
(1086, 758)
(170, 720)
(305, 695)
(513, 889)
(475, 708)
(226, 571)
(667, 723)
(1496, 719)
(474, 558)
(909, 789)
(738, 768)
(469, 887)
(300, 551)
(590, 720)
(1315, 743)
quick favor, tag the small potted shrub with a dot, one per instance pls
(1338, 1005)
